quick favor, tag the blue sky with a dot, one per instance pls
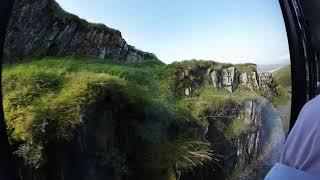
(223, 30)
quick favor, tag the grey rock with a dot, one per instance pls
(268, 85)
(42, 28)
(229, 77)
(255, 77)
(215, 78)
(187, 91)
(250, 80)
(244, 79)
(245, 148)
(102, 53)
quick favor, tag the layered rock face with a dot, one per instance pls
(243, 149)
(228, 78)
(42, 28)
(250, 80)
(271, 142)
(238, 151)
(268, 85)
(249, 154)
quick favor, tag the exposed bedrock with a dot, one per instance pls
(249, 154)
(43, 28)
(228, 78)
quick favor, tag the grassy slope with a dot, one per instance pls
(283, 78)
(51, 95)
(44, 101)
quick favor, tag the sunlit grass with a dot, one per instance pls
(283, 78)
(45, 100)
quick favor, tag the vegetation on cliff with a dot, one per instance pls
(120, 112)
(46, 101)
(159, 131)
(283, 77)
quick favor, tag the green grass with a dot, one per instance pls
(194, 63)
(221, 106)
(136, 72)
(45, 100)
(283, 78)
(283, 98)
(237, 128)
(45, 105)
(246, 68)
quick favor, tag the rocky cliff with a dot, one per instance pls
(43, 28)
(237, 121)
(81, 125)
(227, 76)
(249, 139)
(240, 148)
(68, 121)
(74, 122)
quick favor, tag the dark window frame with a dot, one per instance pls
(8, 169)
(302, 56)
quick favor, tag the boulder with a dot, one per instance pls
(187, 91)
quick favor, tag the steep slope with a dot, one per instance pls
(84, 119)
(227, 99)
(43, 28)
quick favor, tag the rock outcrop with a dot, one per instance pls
(225, 76)
(271, 141)
(43, 28)
(268, 85)
(250, 80)
(257, 146)
(243, 148)
(238, 150)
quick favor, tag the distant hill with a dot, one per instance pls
(271, 67)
